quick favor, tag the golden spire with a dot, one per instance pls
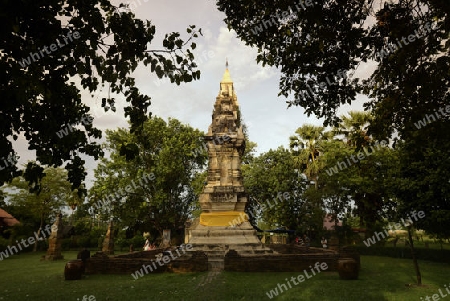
(226, 76)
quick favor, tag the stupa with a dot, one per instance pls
(223, 232)
(223, 224)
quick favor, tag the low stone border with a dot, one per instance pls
(196, 261)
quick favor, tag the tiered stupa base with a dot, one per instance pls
(216, 241)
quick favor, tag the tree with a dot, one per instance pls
(55, 193)
(275, 190)
(319, 45)
(332, 191)
(151, 180)
(314, 43)
(354, 128)
(52, 50)
(366, 191)
(306, 148)
(421, 181)
(359, 179)
(411, 81)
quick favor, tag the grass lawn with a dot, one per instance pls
(25, 277)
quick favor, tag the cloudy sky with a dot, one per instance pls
(269, 121)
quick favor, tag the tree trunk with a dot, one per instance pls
(39, 233)
(413, 254)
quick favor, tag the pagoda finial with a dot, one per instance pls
(226, 75)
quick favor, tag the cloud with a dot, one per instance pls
(243, 68)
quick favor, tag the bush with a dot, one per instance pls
(82, 227)
(96, 242)
(4, 243)
(66, 244)
(84, 242)
(123, 243)
(405, 252)
(138, 242)
(42, 245)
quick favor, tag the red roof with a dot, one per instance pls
(7, 219)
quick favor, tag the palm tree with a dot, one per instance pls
(306, 148)
(354, 129)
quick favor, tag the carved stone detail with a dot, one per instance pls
(224, 179)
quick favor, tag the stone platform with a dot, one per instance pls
(217, 241)
(239, 234)
(290, 258)
(216, 253)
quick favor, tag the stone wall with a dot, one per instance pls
(296, 249)
(103, 264)
(197, 261)
(290, 261)
(283, 262)
(277, 262)
(142, 254)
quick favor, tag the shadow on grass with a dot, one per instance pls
(25, 277)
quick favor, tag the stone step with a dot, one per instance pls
(225, 247)
(216, 264)
(215, 258)
(226, 240)
(222, 233)
(215, 253)
(222, 245)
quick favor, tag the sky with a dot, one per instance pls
(269, 121)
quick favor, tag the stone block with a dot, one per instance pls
(73, 270)
(348, 269)
(350, 252)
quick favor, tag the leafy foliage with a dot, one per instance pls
(306, 147)
(36, 210)
(155, 188)
(55, 193)
(421, 181)
(319, 45)
(50, 50)
(275, 189)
